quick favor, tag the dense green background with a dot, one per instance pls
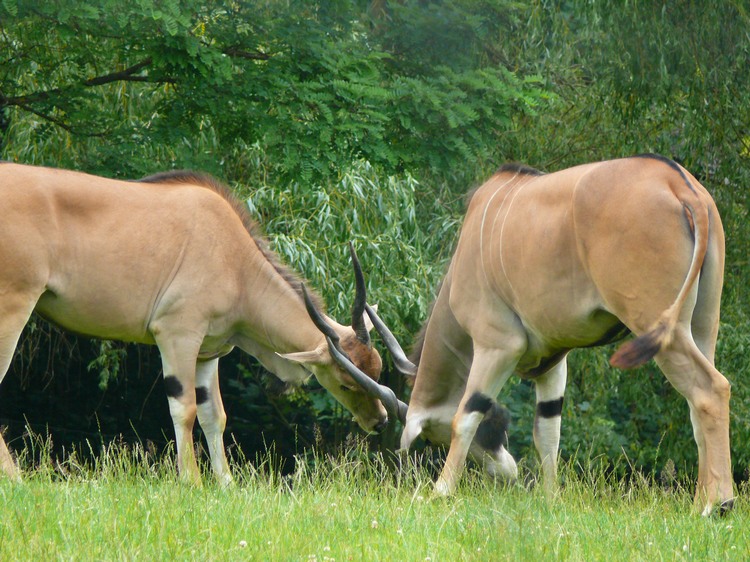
(368, 121)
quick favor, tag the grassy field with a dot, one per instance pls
(129, 506)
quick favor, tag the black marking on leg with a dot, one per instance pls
(201, 395)
(479, 403)
(549, 408)
(493, 430)
(726, 506)
(173, 386)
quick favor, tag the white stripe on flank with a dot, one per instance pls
(500, 239)
(502, 227)
(484, 217)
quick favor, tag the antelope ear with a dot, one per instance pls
(368, 323)
(314, 357)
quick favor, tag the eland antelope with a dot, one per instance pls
(171, 260)
(546, 263)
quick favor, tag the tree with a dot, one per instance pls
(309, 82)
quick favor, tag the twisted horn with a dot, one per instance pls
(394, 406)
(360, 300)
(400, 360)
(317, 317)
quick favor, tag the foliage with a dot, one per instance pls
(108, 362)
(305, 80)
(369, 121)
(378, 215)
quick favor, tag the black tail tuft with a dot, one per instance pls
(638, 351)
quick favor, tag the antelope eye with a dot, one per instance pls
(345, 388)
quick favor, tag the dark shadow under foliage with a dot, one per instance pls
(56, 396)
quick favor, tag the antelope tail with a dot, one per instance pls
(641, 349)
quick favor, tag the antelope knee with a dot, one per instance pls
(412, 430)
(181, 407)
(465, 423)
(201, 395)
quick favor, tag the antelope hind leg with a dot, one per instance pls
(15, 311)
(707, 393)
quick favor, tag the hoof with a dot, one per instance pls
(443, 489)
(726, 506)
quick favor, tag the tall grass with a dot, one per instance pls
(128, 505)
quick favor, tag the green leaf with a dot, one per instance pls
(11, 6)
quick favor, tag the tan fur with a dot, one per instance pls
(549, 263)
(170, 260)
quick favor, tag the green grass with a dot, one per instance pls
(130, 506)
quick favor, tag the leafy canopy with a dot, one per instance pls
(317, 85)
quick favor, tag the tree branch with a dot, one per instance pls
(249, 55)
(127, 75)
(46, 117)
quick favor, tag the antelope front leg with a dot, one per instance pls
(183, 409)
(7, 465)
(489, 371)
(212, 417)
(470, 414)
(179, 363)
(550, 388)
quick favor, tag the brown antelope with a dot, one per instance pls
(546, 263)
(171, 260)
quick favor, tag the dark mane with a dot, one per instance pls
(668, 161)
(510, 168)
(516, 168)
(209, 182)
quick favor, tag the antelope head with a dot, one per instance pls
(348, 366)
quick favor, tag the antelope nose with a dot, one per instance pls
(381, 426)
